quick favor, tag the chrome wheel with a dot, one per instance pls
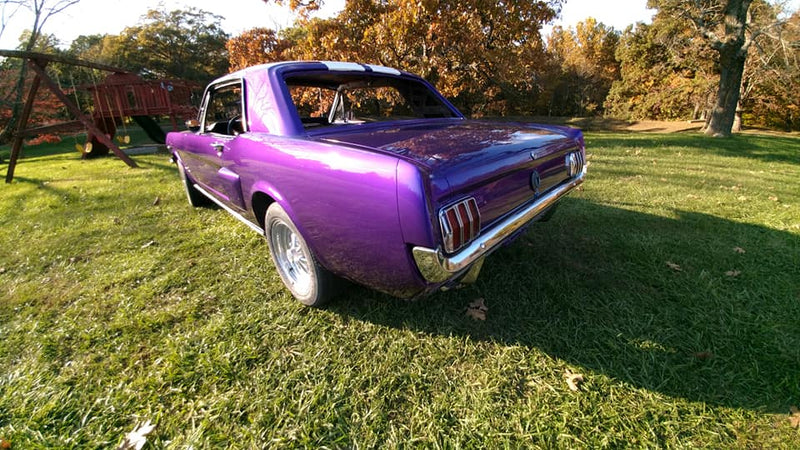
(291, 258)
(309, 282)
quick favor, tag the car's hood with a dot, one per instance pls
(455, 143)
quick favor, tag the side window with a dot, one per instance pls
(223, 112)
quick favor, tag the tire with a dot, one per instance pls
(309, 282)
(195, 197)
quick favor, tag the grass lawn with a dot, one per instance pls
(671, 282)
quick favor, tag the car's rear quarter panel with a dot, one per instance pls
(344, 201)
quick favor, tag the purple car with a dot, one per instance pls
(367, 173)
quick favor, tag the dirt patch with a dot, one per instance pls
(609, 124)
(639, 126)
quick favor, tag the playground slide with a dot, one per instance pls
(152, 128)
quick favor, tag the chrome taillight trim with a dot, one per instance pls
(465, 210)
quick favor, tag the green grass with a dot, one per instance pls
(116, 308)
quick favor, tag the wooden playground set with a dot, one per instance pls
(121, 94)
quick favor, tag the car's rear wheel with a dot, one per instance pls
(308, 281)
(195, 197)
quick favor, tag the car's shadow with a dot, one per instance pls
(693, 306)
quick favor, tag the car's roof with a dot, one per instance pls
(333, 66)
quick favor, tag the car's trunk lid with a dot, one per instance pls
(494, 162)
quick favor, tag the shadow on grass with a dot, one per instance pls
(765, 148)
(593, 288)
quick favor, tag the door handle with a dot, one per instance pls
(218, 146)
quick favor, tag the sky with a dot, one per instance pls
(111, 16)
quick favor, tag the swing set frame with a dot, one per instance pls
(122, 94)
(37, 63)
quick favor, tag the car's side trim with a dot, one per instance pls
(235, 214)
(437, 267)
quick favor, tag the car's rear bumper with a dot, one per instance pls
(437, 267)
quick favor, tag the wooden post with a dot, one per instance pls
(16, 147)
(87, 122)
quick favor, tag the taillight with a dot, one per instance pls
(460, 224)
(574, 163)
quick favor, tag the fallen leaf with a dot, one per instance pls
(2, 270)
(574, 380)
(742, 198)
(148, 244)
(703, 355)
(692, 196)
(477, 309)
(773, 198)
(794, 418)
(4, 444)
(136, 439)
(733, 273)
(738, 250)
(156, 201)
(674, 266)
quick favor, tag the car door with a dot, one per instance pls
(221, 122)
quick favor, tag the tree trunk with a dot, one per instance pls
(737, 119)
(732, 55)
(730, 82)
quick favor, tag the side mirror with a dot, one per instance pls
(193, 125)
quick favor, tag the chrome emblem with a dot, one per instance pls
(536, 181)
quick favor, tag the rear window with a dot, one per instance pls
(330, 99)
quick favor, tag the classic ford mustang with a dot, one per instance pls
(367, 173)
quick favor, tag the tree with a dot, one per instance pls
(186, 44)
(486, 55)
(726, 25)
(256, 46)
(588, 67)
(42, 11)
(666, 73)
(772, 75)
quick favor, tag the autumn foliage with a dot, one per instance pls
(490, 57)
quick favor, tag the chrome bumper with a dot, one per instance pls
(436, 267)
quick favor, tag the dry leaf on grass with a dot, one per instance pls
(773, 198)
(136, 439)
(794, 417)
(4, 444)
(156, 201)
(738, 250)
(703, 355)
(148, 244)
(742, 198)
(674, 266)
(733, 273)
(477, 309)
(574, 380)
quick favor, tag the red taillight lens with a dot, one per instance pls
(460, 224)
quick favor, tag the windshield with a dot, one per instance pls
(330, 99)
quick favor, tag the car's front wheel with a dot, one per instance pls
(308, 281)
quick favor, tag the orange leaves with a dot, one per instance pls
(256, 46)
